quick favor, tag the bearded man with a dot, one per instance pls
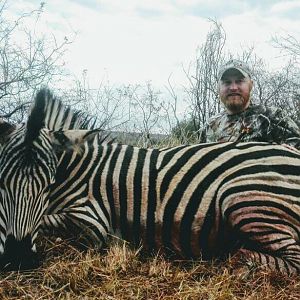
(242, 120)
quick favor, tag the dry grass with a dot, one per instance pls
(122, 273)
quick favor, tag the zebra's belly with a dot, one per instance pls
(193, 238)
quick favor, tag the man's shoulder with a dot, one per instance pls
(216, 118)
(256, 109)
(265, 110)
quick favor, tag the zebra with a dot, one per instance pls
(195, 201)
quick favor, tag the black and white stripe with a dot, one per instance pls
(196, 201)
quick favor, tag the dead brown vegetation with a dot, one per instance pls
(123, 273)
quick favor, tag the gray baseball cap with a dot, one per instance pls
(235, 64)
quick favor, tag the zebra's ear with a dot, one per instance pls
(63, 140)
(5, 130)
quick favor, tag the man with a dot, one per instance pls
(242, 120)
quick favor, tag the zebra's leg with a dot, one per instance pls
(82, 228)
(286, 260)
(269, 236)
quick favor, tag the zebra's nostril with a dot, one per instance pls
(18, 255)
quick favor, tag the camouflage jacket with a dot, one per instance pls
(256, 123)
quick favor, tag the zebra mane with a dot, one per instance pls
(49, 112)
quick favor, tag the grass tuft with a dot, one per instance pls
(124, 273)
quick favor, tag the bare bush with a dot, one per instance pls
(202, 76)
(289, 45)
(26, 66)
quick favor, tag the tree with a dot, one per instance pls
(146, 106)
(202, 76)
(288, 44)
(25, 68)
(109, 104)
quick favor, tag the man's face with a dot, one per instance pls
(234, 91)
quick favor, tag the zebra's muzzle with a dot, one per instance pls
(18, 255)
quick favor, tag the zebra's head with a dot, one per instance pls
(28, 161)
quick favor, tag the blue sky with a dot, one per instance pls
(134, 41)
